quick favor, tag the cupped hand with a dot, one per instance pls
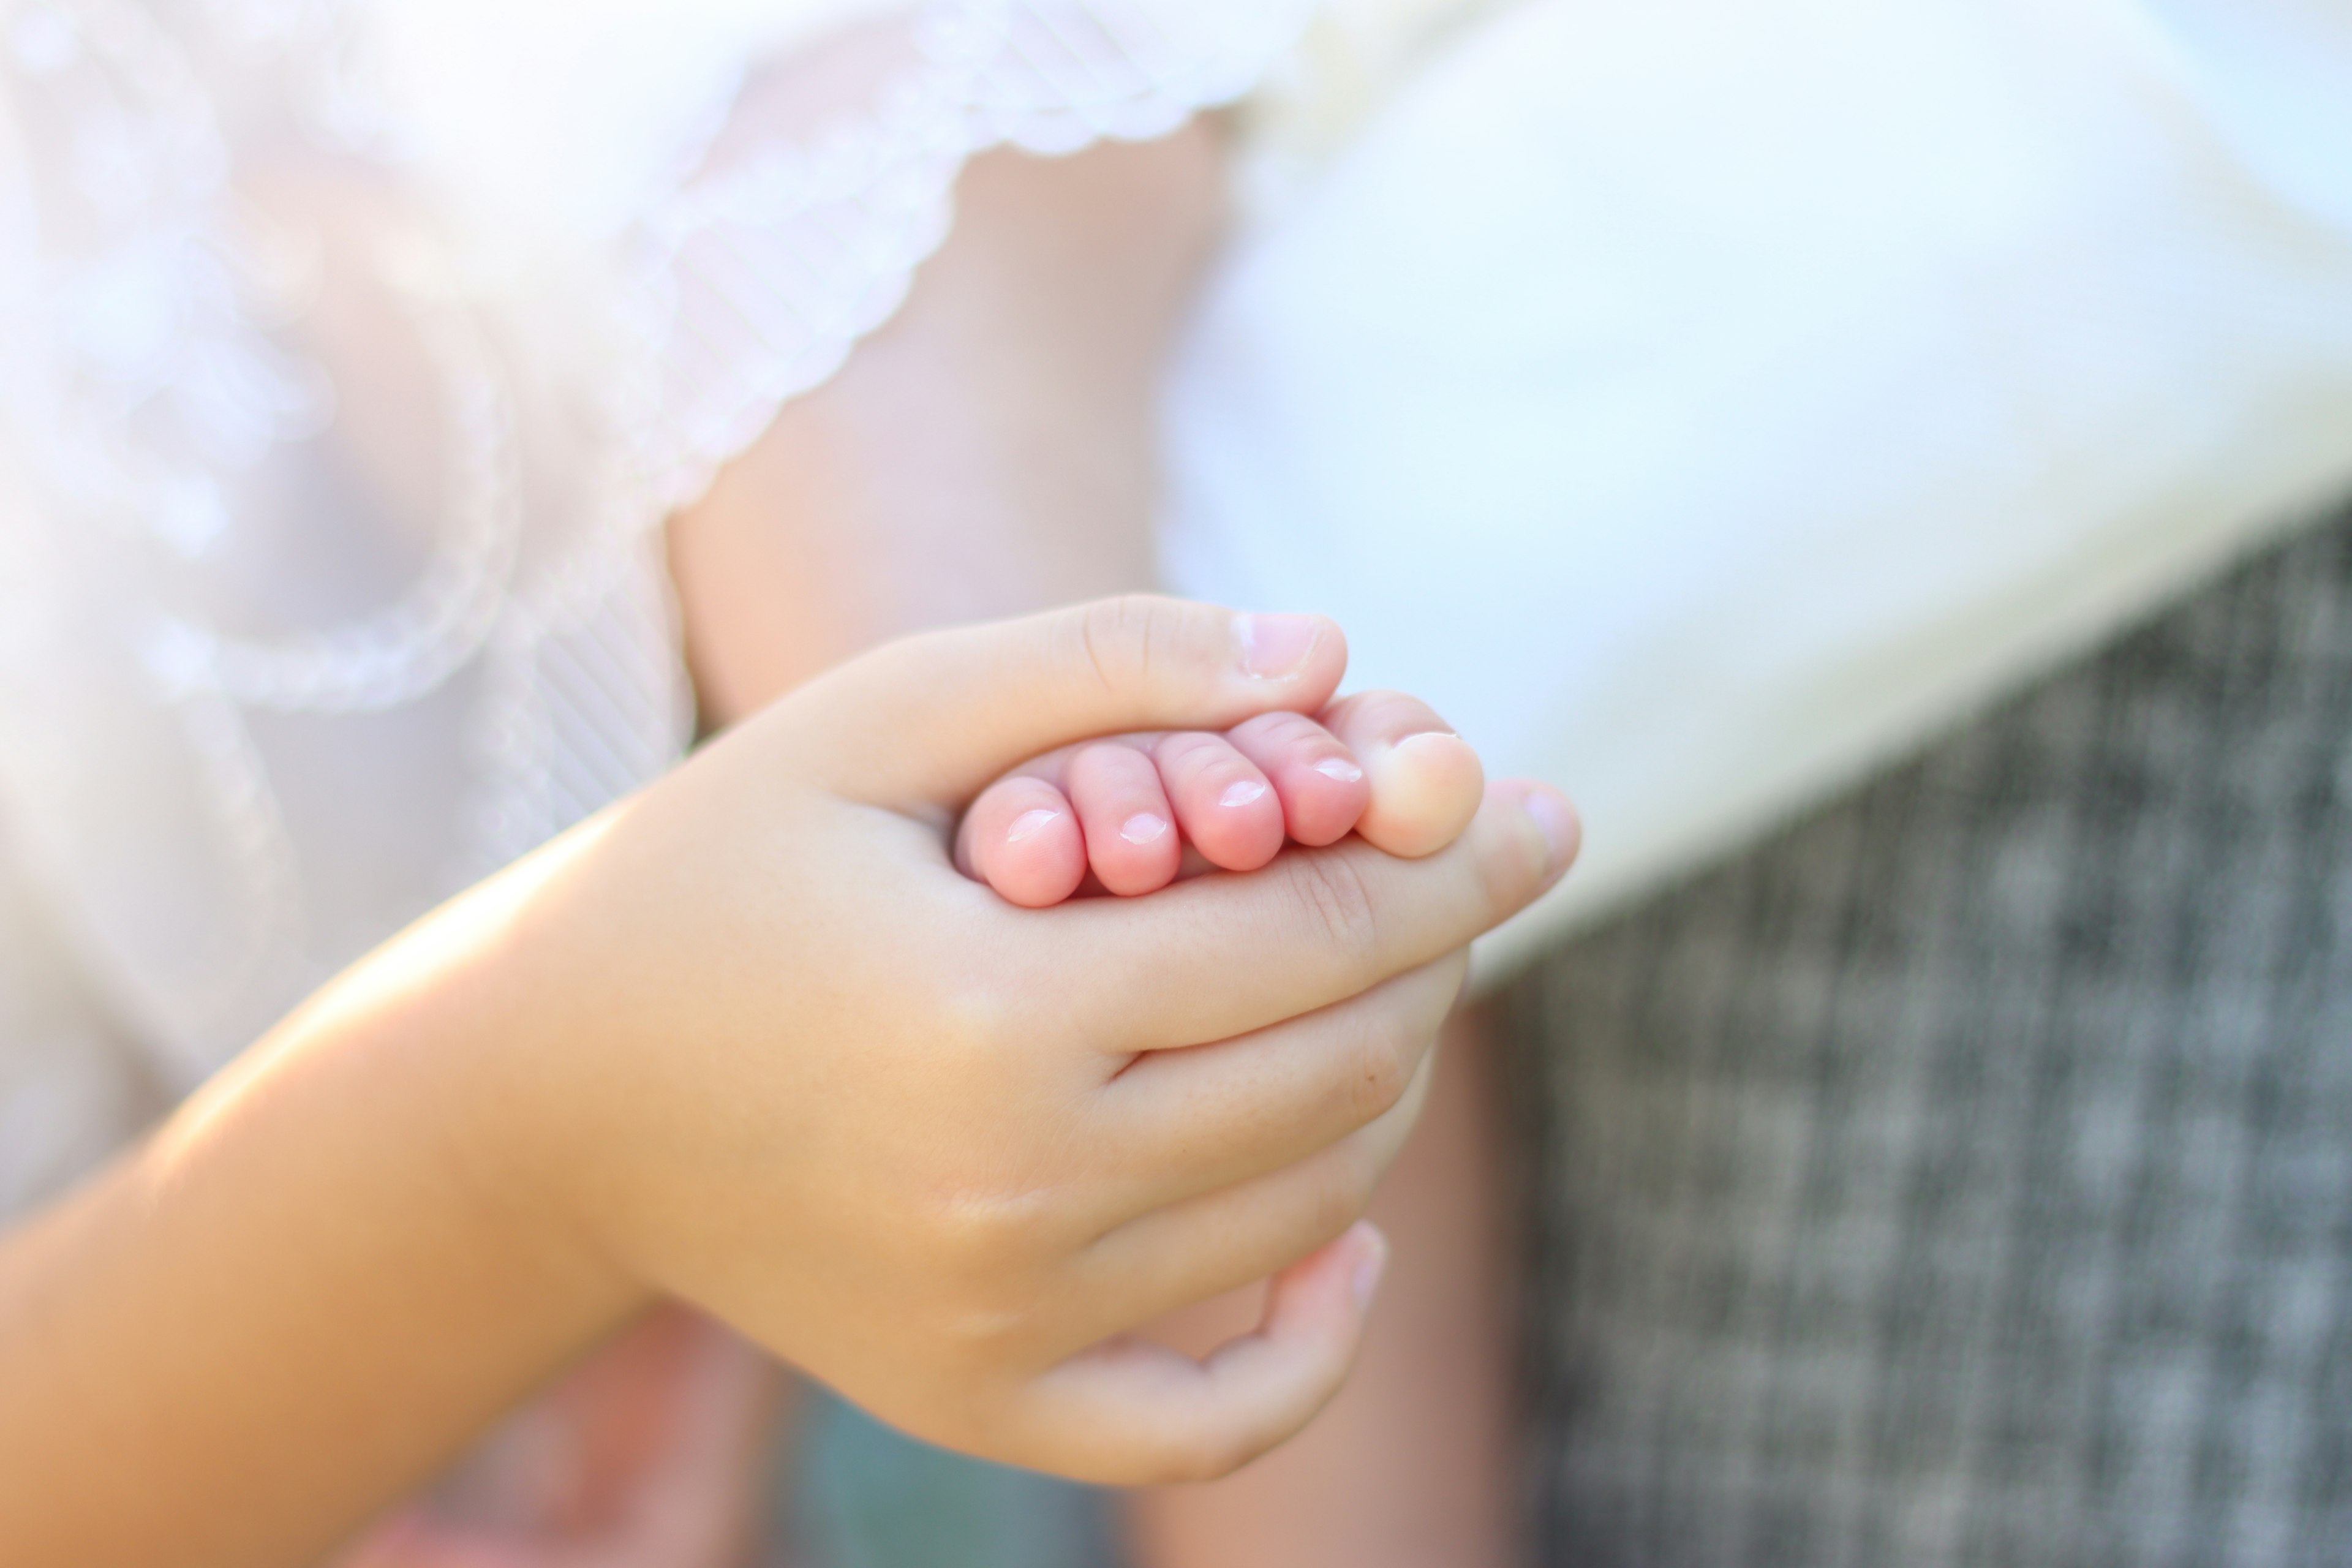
(765, 1049)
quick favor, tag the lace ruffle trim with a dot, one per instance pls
(753, 285)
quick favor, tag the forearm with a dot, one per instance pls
(294, 1301)
(988, 452)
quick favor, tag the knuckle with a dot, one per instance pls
(1132, 639)
(1107, 637)
(969, 1230)
(974, 1333)
(972, 1021)
(1340, 902)
(978, 1245)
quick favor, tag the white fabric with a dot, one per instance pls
(352, 357)
(1703, 401)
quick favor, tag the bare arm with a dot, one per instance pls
(989, 452)
(296, 1290)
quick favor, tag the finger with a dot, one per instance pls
(983, 698)
(1188, 1252)
(1322, 787)
(1129, 1413)
(1022, 838)
(1221, 956)
(1198, 1120)
(1227, 809)
(1425, 781)
(1131, 840)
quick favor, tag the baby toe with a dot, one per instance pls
(1426, 782)
(1130, 828)
(1226, 806)
(1319, 783)
(1021, 837)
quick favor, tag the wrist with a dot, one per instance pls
(484, 1060)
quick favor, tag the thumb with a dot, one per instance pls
(931, 720)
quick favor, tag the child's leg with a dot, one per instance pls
(1415, 1463)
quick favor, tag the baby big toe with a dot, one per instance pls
(1426, 781)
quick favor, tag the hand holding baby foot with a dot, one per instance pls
(1126, 809)
(944, 1156)
(749, 1041)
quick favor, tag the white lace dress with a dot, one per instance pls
(350, 360)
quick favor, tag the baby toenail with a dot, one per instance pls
(1339, 768)
(1030, 824)
(1142, 828)
(1242, 792)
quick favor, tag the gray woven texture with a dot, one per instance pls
(1965, 1176)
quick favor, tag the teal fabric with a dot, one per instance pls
(865, 1497)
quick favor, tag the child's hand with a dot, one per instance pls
(748, 1040)
(1127, 808)
(930, 1149)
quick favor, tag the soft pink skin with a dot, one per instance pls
(1041, 868)
(1317, 808)
(1228, 809)
(1232, 799)
(1131, 839)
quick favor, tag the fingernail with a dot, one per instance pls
(1030, 824)
(1142, 827)
(1339, 768)
(1369, 1268)
(1273, 647)
(1242, 792)
(1563, 833)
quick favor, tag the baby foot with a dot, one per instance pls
(1137, 810)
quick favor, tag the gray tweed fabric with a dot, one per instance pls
(1965, 1176)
